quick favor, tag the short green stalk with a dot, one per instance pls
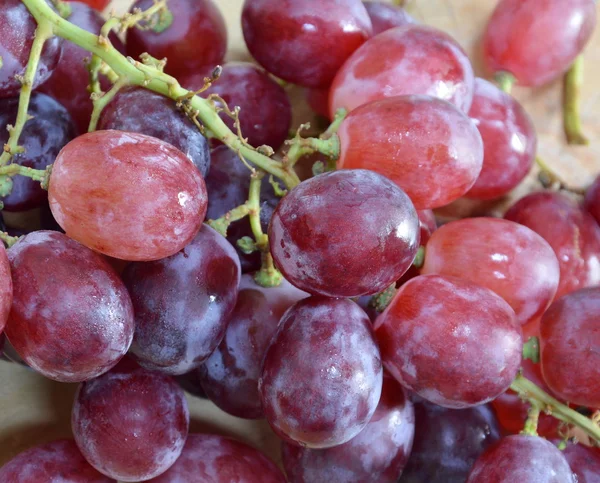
(572, 82)
(505, 81)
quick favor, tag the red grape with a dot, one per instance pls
(509, 141)
(304, 42)
(592, 200)
(537, 40)
(17, 29)
(55, 462)
(6, 288)
(521, 458)
(127, 195)
(196, 41)
(318, 100)
(453, 342)
(71, 317)
(130, 424)
(426, 146)
(571, 232)
(210, 458)
(265, 109)
(344, 234)
(183, 303)
(385, 16)
(427, 225)
(321, 377)
(97, 4)
(584, 462)
(569, 341)
(447, 442)
(377, 454)
(43, 136)
(230, 375)
(508, 258)
(404, 60)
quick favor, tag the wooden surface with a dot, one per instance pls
(34, 410)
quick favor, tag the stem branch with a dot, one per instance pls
(571, 115)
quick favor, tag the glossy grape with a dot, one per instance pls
(130, 424)
(55, 462)
(230, 375)
(17, 29)
(508, 258)
(592, 200)
(584, 462)
(537, 40)
(139, 110)
(127, 195)
(6, 288)
(304, 42)
(571, 232)
(97, 4)
(378, 454)
(405, 60)
(386, 16)
(509, 141)
(196, 41)
(183, 303)
(427, 225)
(321, 377)
(43, 137)
(426, 146)
(569, 338)
(344, 234)
(521, 458)
(453, 342)
(71, 317)
(210, 458)
(265, 109)
(447, 442)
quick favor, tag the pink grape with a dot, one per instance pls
(508, 258)
(424, 145)
(71, 318)
(321, 377)
(385, 16)
(6, 288)
(368, 225)
(377, 454)
(537, 40)
(130, 424)
(509, 141)
(404, 60)
(127, 195)
(454, 343)
(304, 42)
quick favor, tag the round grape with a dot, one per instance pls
(385, 16)
(584, 462)
(592, 200)
(97, 4)
(6, 288)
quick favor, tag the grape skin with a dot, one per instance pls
(6, 289)
(584, 462)
(385, 16)
(592, 200)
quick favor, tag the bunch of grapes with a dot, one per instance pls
(189, 240)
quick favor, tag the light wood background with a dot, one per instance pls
(34, 410)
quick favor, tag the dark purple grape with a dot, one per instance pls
(43, 137)
(182, 303)
(136, 109)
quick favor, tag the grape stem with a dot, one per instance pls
(550, 180)
(531, 350)
(8, 240)
(505, 81)
(571, 115)
(101, 100)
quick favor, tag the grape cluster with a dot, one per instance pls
(180, 249)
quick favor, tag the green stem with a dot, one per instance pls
(262, 242)
(103, 100)
(9, 240)
(505, 81)
(268, 275)
(14, 169)
(572, 82)
(222, 224)
(63, 8)
(132, 19)
(533, 417)
(419, 257)
(531, 350)
(381, 300)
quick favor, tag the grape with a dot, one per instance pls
(304, 42)
(571, 232)
(426, 146)
(55, 462)
(43, 137)
(508, 258)
(427, 225)
(183, 303)
(385, 16)
(69, 81)
(6, 288)
(521, 458)
(509, 141)
(130, 424)
(453, 342)
(592, 199)
(209, 458)
(71, 317)
(97, 4)
(344, 234)
(569, 338)
(17, 29)
(228, 184)
(404, 60)
(537, 40)
(318, 100)
(321, 377)
(139, 110)
(377, 454)
(127, 195)
(584, 462)
(230, 375)
(447, 442)
(265, 109)
(196, 40)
